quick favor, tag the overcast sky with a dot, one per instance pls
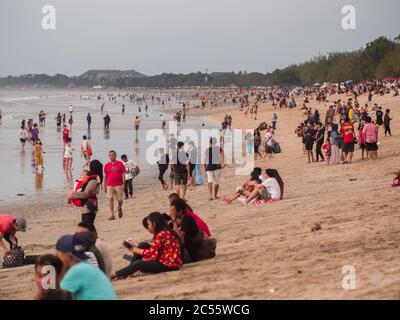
(182, 36)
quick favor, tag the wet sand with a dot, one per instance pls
(265, 247)
(25, 184)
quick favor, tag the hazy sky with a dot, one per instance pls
(155, 36)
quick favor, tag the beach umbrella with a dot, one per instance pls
(317, 84)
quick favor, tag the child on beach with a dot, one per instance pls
(38, 151)
(68, 155)
(327, 148)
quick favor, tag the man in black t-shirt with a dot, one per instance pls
(181, 168)
(379, 116)
(319, 140)
(213, 166)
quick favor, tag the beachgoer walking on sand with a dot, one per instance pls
(38, 151)
(163, 167)
(335, 140)
(327, 148)
(66, 134)
(68, 156)
(137, 123)
(89, 120)
(131, 171)
(23, 136)
(86, 151)
(268, 144)
(107, 121)
(370, 133)
(347, 130)
(319, 141)
(114, 183)
(181, 167)
(214, 162)
(386, 122)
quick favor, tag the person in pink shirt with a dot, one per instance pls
(9, 225)
(370, 133)
(114, 183)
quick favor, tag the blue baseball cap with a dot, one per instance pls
(73, 245)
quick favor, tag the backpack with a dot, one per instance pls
(276, 147)
(15, 258)
(207, 249)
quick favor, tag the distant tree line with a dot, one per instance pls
(378, 59)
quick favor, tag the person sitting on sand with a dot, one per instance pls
(162, 256)
(81, 280)
(88, 240)
(247, 188)
(99, 247)
(201, 224)
(187, 229)
(270, 189)
(53, 290)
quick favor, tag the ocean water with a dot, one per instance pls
(21, 182)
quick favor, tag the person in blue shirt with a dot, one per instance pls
(82, 280)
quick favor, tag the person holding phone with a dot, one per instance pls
(162, 256)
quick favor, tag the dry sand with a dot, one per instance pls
(265, 247)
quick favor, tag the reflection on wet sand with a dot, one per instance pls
(39, 181)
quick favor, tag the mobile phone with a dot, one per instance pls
(127, 245)
(127, 257)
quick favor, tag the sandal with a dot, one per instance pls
(111, 218)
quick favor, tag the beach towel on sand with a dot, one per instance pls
(259, 202)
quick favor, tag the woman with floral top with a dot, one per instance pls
(162, 256)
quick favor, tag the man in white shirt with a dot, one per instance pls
(131, 171)
(269, 143)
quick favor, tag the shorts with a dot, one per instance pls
(192, 167)
(269, 149)
(213, 176)
(348, 147)
(371, 146)
(181, 178)
(115, 192)
(250, 149)
(309, 146)
(265, 195)
(22, 140)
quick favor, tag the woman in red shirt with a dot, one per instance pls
(162, 256)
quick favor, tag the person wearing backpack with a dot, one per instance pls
(131, 171)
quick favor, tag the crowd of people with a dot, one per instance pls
(346, 125)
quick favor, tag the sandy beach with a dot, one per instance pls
(267, 251)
